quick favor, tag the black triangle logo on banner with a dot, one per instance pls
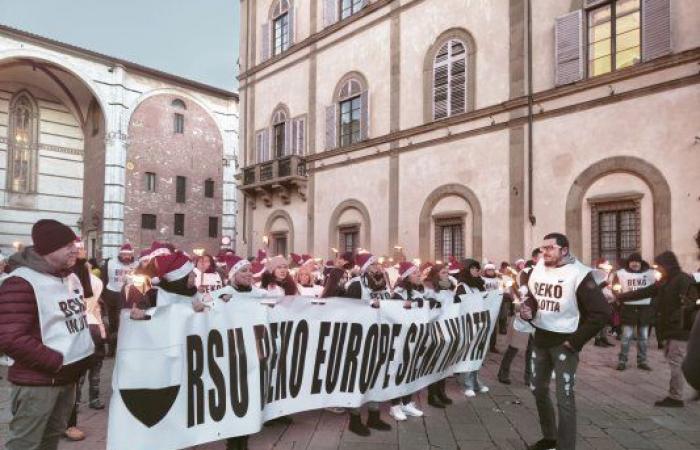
(149, 406)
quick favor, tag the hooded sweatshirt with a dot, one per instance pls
(20, 332)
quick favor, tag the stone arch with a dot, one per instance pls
(62, 62)
(281, 214)
(659, 187)
(453, 33)
(425, 218)
(365, 234)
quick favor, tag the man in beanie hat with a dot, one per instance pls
(370, 285)
(44, 328)
(114, 274)
(635, 315)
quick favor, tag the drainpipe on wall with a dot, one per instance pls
(531, 214)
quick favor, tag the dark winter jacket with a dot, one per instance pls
(691, 365)
(20, 333)
(673, 297)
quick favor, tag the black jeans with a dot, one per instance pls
(564, 363)
(113, 305)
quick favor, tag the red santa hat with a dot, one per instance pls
(127, 248)
(257, 268)
(235, 264)
(173, 266)
(364, 260)
(262, 255)
(425, 267)
(145, 255)
(297, 259)
(454, 266)
(490, 266)
(406, 268)
(160, 249)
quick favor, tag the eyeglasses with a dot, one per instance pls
(546, 248)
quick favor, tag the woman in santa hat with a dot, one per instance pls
(277, 280)
(441, 286)
(409, 289)
(240, 277)
(470, 282)
(207, 278)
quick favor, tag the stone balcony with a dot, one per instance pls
(282, 176)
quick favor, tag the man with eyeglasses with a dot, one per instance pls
(567, 308)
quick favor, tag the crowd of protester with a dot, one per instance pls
(552, 306)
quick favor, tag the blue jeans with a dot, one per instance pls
(642, 339)
(470, 380)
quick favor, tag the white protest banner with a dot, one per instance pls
(185, 378)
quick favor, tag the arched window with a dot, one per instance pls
(347, 120)
(280, 27)
(178, 117)
(450, 79)
(177, 103)
(22, 140)
(279, 132)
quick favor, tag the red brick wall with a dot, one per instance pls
(196, 154)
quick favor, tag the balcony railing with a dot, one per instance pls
(293, 166)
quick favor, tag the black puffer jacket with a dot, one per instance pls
(673, 297)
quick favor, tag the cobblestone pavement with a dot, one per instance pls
(615, 412)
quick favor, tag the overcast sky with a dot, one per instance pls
(195, 39)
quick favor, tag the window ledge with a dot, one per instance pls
(617, 197)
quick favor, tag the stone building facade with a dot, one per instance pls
(470, 128)
(118, 151)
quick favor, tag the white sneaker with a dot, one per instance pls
(483, 389)
(412, 410)
(397, 413)
(470, 393)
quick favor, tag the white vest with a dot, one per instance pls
(310, 291)
(368, 294)
(165, 298)
(630, 281)
(492, 284)
(444, 296)
(92, 303)
(116, 274)
(210, 281)
(554, 288)
(62, 316)
(416, 295)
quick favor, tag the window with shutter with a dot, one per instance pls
(353, 111)
(569, 48)
(450, 79)
(280, 130)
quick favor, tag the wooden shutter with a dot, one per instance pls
(330, 12)
(290, 29)
(568, 43)
(299, 136)
(656, 28)
(441, 82)
(330, 127)
(458, 78)
(288, 142)
(259, 146)
(265, 44)
(364, 115)
(266, 144)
